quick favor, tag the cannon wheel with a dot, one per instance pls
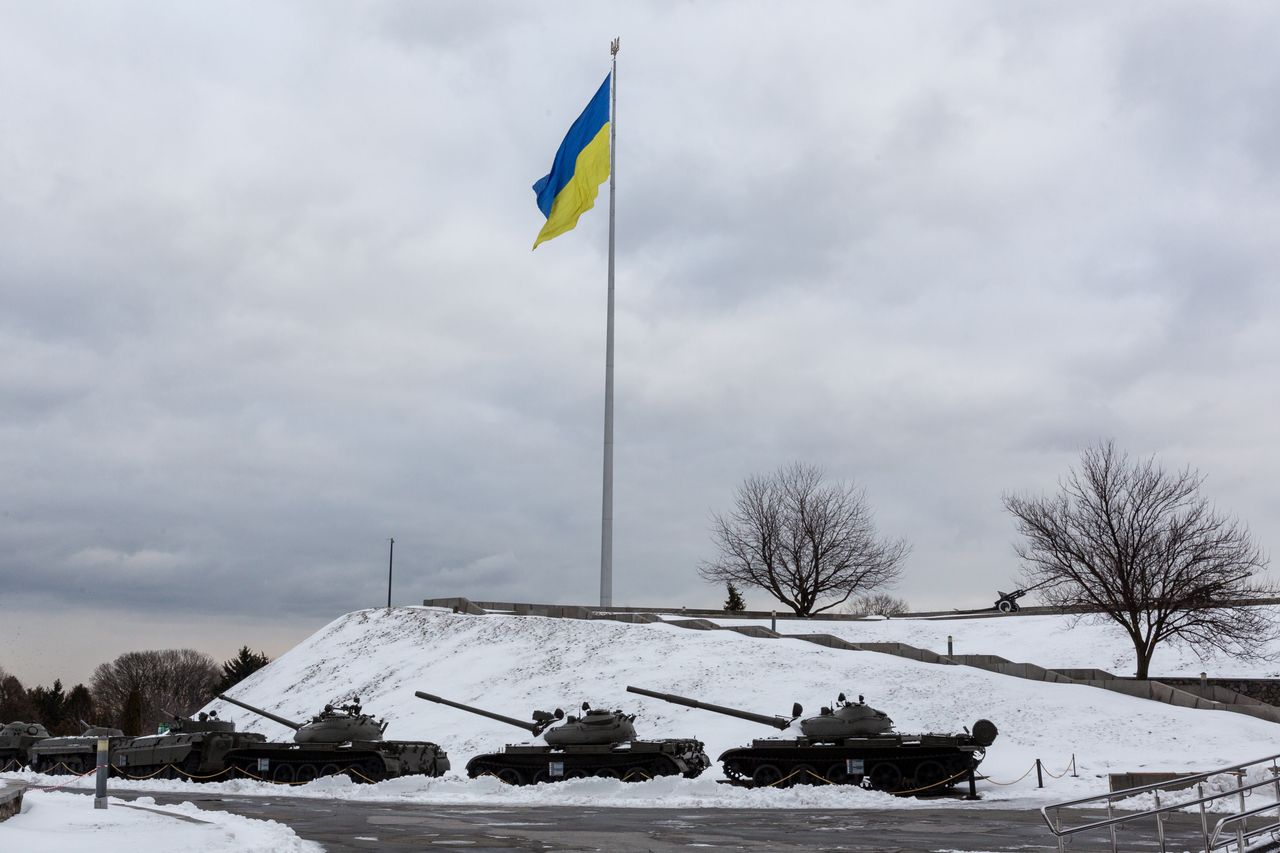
(1004, 605)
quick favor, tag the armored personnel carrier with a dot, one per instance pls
(184, 748)
(340, 739)
(849, 744)
(16, 739)
(74, 754)
(596, 743)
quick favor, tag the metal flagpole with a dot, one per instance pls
(606, 502)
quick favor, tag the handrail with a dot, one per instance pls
(1218, 827)
(1125, 818)
(1139, 789)
(1241, 790)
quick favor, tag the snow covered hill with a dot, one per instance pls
(1049, 641)
(514, 664)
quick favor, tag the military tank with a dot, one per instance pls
(16, 739)
(74, 754)
(340, 739)
(184, 748)
(850, 743)
(596, 742)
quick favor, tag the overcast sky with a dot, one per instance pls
(268, 298)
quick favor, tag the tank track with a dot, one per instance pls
(908, 771)
(530, 768)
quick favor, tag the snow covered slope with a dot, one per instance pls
(514, 664)
(1049, 641)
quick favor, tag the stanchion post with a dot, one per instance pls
(950, 653)
(1039, 775)
(773, 622)
(1074, 775)
(973, 786)
(100, 794)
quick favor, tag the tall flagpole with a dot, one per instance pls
(606, 502)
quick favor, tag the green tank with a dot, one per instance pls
(16, 739)
(74, 754)
(341, 739)
(597, 742)
(848, 744)
(184, 748)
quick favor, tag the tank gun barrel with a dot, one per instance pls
(777, 722)
(534, 728)
(270, 716)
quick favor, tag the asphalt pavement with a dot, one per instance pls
(345, 827)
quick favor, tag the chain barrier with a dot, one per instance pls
(1070, 768)
(75, 778)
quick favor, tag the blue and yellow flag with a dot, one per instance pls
(580, 167)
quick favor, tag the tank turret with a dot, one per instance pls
(203, 723)
(592, 727)
(595, 742)
(335, 724)
(850, 744)
(16, 738)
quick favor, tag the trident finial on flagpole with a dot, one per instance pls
(613, 47)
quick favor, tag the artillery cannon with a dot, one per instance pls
(848, 744)
(340, 739)
(16, 739)
(597, 742)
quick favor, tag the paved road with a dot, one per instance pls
(347, 827)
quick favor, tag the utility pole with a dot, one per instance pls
(391, 554)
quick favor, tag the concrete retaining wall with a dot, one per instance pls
(11, 798)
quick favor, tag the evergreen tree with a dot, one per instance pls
(240, 667)
(79, 706)
(734, 603)
(50, 706)
(130, 721)
(15, 704)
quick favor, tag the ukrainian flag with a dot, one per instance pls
(580, 167)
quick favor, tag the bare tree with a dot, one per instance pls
(878, 604)
(140, 688)
(1141, 545)
(809, 545)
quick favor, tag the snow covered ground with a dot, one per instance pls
(58, 822)
(1049, 641)
(513, 664)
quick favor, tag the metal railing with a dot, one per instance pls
(1217, 839)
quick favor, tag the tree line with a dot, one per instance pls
(135, 692)
(1124, 539)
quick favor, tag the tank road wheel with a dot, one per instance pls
(370, 770)
(766, 776)
(541, 776)
(330, 770)
(510, 775)
(607, 773)
(306, 773)
(835, 774)
(576, 774)
(885, 777)
(929, 773)
(283, 773)
(804, 775)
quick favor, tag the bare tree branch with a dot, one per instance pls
(1143, 546)
(809, 545)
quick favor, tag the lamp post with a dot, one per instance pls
(391, 554)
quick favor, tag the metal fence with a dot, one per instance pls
(1230, 832)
